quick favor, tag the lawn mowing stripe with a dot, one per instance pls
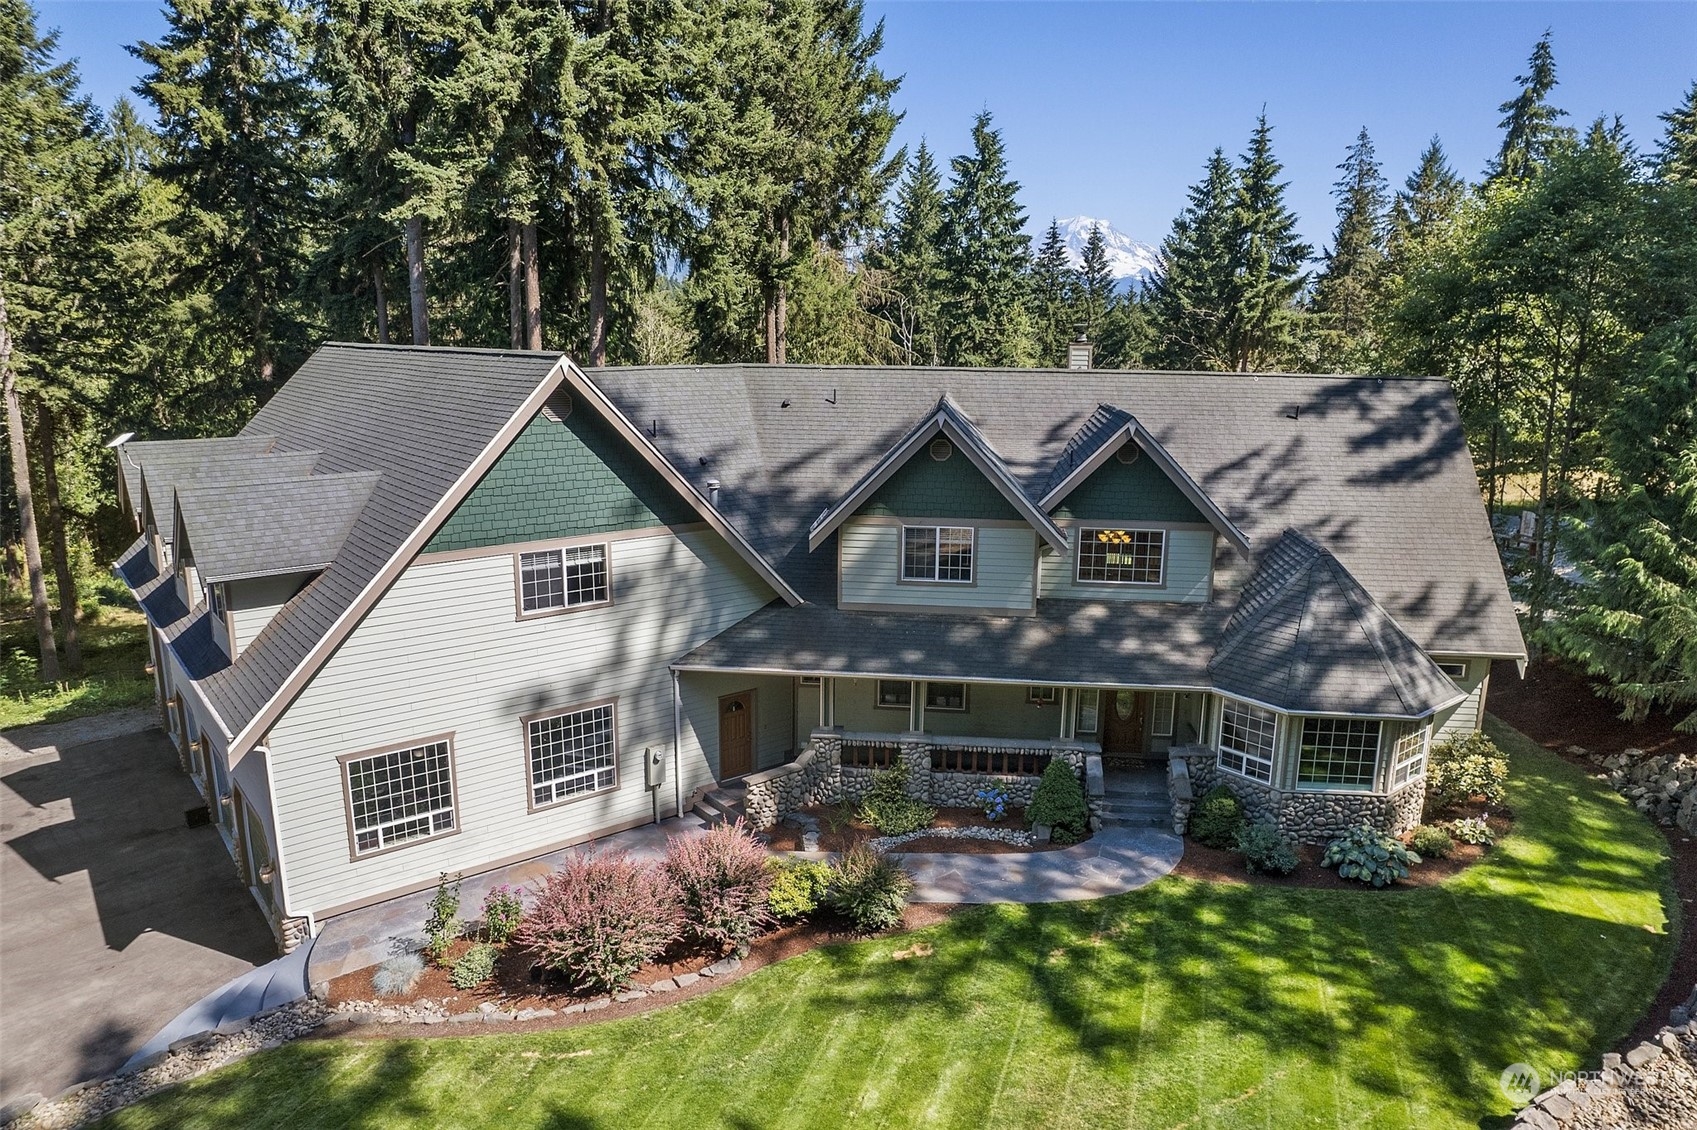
(1087, 1015)
(1044, 924)
(1134, 1090)
(980, 966)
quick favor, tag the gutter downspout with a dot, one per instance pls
(677, 746)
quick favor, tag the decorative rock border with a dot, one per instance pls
(1663, 787)
(1014, 836)
(1652, 1086)
(1311, 817)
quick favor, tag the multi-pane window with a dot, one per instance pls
(1408, 757)
(1121, 557)
(895, 694)
(572, 754)
(1166, 704)
(937, 553)
(1338, 752)
(1042, 696)
(945, 696)
(1089, 708)
(1455, 669)
(401, 796)
(563, 578)
(1246, 739)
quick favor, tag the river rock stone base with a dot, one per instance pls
(1651, 1087)
(1308, 817)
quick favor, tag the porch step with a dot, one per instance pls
(722, 805)
(1137, 811)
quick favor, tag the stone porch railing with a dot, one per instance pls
(1313, 817)
(943, 770)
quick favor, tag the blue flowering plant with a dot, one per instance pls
(994, 801)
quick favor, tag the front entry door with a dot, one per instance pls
(736, 735)
(1123, 733)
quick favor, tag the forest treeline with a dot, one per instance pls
(659, 181)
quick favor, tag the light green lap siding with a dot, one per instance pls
(561, 480)
(1004, 560)
(1190, 555)
(1138, 492)
(953, 488)
(1468, 715)
(254, 602)
(442, 653)
(993, 711)
(774, 716)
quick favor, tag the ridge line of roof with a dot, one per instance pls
(727, 366)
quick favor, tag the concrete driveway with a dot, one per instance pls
(114, 915)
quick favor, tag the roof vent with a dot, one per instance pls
(558, 407)
(1128, 452)
(941, 449)
(713, 492)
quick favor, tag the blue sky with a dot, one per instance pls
(1110, 109)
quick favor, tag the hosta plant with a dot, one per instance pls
(1369, 856)
(1472, 830)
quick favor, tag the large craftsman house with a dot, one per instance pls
(442, 610)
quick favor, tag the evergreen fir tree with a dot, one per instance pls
(1676, 156)
(1191, 296)
(229, 83)
(1347, 291)
(1054, 287)
(1530, 124)
(909, 256)
(1269, 260)
(1428, 199)
(1095, 284)
(986, 256)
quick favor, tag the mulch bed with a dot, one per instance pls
(515, 991)
(1557, 708)
(1219, 865)
(785, 837)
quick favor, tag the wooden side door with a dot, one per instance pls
(736, 735)
(1126, 715)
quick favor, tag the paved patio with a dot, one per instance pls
(117, 915)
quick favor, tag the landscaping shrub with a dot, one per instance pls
(503, 910)
(1431, 842)
(1216, 819)
(722, 883)
(1369, 855)
(869, 889)
(600, 917)
(1472, 830)
(1266, 850)
(397, 976)
(889, 809)
(1059, 803)
(993, 799)
(798, 887)
(475, 966)
(1463, 768)
(442, 921)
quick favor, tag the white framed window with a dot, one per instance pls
(1089, 711)
(810, 680)
(1121, 557)
(1408, 756)
(1166, 705)
(1247, 737)
(1454, 668)
(215, 599)
(945, 696)
(1042, 696)
(553, 579)
(937, 553)
(572, 754)
(1338, 753)
(894, 694)
(398, 796)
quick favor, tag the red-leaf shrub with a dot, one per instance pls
(723, 884)
(600, 917)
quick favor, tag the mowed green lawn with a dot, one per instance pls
(1184, 1004)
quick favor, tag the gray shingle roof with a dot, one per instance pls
(165, 456)
(1306, 637)
(263, 529)
(1375, 469)
(1067, 641)
(161, 481)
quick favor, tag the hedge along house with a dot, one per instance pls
(443, 610)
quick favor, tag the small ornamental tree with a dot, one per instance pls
(1059, 802)
(599, 918)
(723, 884)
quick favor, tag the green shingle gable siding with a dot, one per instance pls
(926, 488)
(1129, 492)
(562, 479)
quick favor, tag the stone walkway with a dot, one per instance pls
(1112, 862)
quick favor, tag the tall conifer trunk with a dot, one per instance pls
(416, 295)
(48, 423)
(26, 505)
(597, 303)
(382, 298)
(532, 286)
(515, 286)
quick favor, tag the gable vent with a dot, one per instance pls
(1128, 452)
(558, 407)
(941, 449)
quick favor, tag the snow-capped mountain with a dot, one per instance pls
(1127, 258)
